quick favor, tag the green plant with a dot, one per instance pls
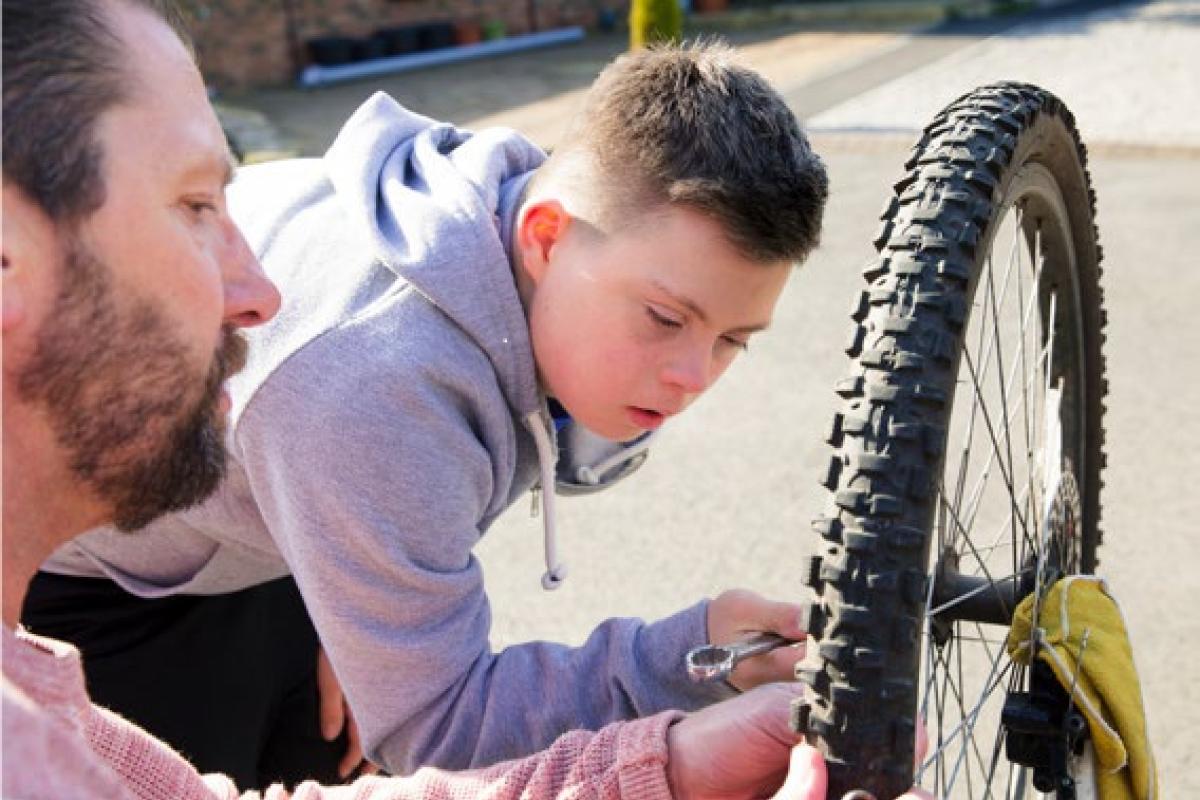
(493, 29)
(654, 21)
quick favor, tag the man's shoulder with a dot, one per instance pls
(45, 754)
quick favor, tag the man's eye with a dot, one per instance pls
(199, 207)
(662, 319)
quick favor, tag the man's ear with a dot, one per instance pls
(540, 227)
(29, 241)
(10, 295)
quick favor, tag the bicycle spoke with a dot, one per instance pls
(1024, 318)
(995, 443)
(985, 346)
(1049, 408)
(930, 672)
(980, 484)
(994, 679)
(967, 538)
(977, 489)
(1001, 527)
(982, 640)
(968, 434)
(964, 753)
(1000, 360)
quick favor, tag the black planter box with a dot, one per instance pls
(436, 35)
(401, 40)
(331, 51)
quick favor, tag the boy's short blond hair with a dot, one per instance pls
(688, 125)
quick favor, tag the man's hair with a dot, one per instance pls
(63, 67)
(687, 125)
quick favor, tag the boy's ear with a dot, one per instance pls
(539, 228)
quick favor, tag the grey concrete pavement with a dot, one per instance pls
(537, 92)
(1128, 73)
(727, 497)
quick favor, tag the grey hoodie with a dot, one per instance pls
(384, 419)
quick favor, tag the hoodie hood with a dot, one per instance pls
(383, 165)
(588, 463)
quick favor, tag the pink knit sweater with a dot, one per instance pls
(57, 744)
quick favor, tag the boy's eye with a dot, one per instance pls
(733, 341)
(663, 319)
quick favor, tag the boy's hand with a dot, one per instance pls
(739, 614)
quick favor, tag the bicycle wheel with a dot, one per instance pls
(967, 448)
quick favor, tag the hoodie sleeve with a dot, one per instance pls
(372, 469)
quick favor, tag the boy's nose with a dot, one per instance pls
(689, 371)
(250, 296)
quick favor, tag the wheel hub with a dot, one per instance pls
(958, 596)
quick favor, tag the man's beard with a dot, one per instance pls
(113, 376)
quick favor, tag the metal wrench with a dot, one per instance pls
(715, 662)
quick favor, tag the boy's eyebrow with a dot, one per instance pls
(693, 307)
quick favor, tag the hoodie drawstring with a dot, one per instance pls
(556, 572)
(592, 475)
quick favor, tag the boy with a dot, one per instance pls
(464, 321)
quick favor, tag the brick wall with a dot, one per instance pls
(244, 43)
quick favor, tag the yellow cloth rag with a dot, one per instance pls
(1101, 676)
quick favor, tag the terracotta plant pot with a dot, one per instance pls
(468, 32)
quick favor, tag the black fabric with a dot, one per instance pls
(228, 680)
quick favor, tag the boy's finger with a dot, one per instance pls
(785, 619)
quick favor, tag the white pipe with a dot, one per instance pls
(316, 75)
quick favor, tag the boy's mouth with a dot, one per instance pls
(645, 418)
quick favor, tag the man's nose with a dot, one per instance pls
(250, 296)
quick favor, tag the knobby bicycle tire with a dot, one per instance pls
(999, 148)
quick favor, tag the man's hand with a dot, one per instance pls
(736, 749)
(807, 779)
(739, 614)
(744, 748)
(336, 714)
